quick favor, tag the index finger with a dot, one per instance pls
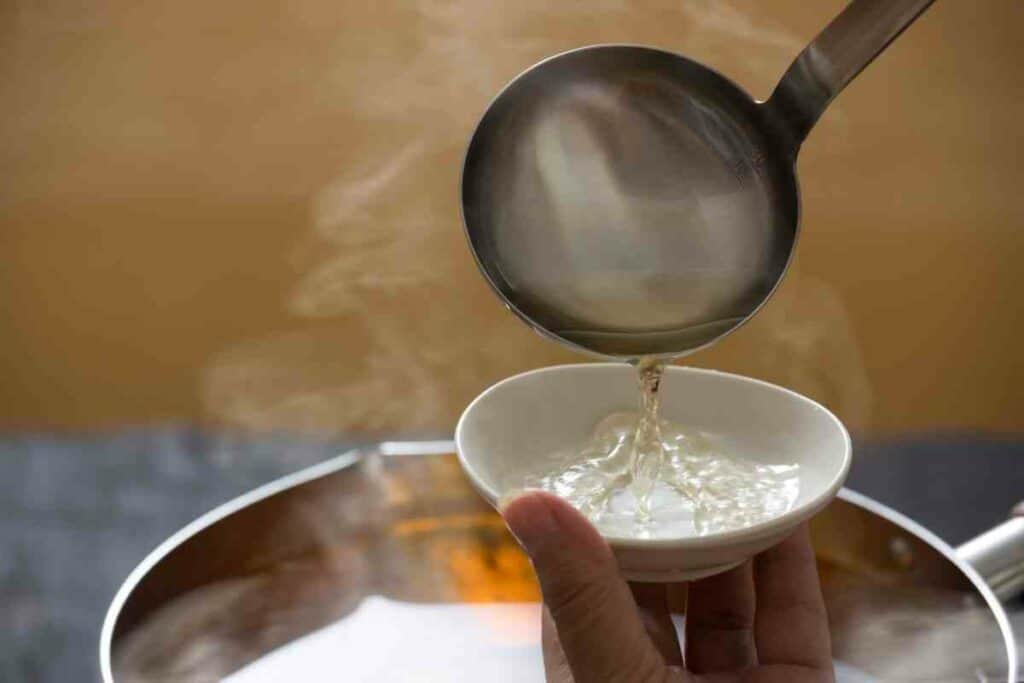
(791, 624)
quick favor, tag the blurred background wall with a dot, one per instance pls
(246, 214)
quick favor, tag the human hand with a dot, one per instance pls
(599, 629)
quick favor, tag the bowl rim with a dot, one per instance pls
(790, 518)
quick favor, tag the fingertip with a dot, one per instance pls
(529, 517)
(508, 497)
(542, 521)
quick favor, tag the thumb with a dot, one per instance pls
(593, 610)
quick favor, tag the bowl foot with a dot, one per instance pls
(675, 575)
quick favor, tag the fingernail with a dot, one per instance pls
(529, 518)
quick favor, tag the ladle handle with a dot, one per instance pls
(834, 58)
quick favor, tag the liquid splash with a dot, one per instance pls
(642, 476)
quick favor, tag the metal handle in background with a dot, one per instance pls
(840, 52)
(998, 555)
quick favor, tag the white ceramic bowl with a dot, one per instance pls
(507, 432)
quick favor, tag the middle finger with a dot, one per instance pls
(652, 605)
(720, 622)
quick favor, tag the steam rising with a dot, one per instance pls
(342, 210)
(388, 328)
(804, 339)
(723, 17)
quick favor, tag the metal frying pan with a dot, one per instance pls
(384, 565)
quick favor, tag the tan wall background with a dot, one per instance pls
(245, 213)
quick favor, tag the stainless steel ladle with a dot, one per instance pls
(630, 202)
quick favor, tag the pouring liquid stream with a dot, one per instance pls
(642, 476)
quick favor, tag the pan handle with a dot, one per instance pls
(998, 555)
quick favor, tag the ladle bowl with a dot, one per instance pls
(508, 433)
(628, 201)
